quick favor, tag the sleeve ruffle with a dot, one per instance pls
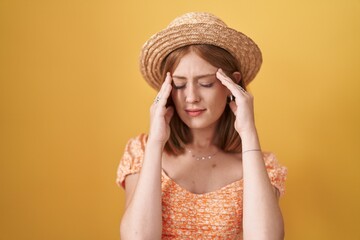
(132, 159)
(277, 173)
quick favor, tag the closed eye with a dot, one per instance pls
(207, 85)
(178, 86)
(181, 86)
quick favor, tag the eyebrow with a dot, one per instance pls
(196, 77)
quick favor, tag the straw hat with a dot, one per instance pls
(198, 28)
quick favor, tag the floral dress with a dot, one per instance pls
(186, 215)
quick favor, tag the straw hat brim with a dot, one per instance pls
(155, 50)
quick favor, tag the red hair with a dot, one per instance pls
(227, 137)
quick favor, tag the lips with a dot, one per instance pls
(194, 112)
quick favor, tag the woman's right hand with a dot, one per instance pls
(160, 115)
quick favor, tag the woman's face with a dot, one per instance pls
(199, 97)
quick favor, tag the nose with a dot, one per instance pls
(192, 94)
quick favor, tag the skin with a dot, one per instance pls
(196, 84)
(196, 87)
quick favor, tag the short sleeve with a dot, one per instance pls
(277, 173)
(132, 159)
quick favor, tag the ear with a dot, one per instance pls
(237, 76)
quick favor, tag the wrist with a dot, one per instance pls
(248, 132)
(251, 150)
(154, 142)
(250, 140)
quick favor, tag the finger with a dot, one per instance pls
(233, 107)
(165, 83)
(228, 82)
(235, 89)
(164, 86)
(166, 92)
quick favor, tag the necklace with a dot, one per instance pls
(201, 157)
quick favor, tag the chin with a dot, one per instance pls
(198, 124)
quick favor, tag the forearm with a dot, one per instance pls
(262, 217)
(143, 216)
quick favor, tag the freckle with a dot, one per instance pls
(193, 182)
(213, 166)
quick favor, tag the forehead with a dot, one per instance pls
(191, 63)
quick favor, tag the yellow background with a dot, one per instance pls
(71, 95)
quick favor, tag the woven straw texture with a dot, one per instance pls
(198, 28)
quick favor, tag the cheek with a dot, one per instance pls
(219, 100)
(221, 95)
(220, 103)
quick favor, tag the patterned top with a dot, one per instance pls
(186, 215)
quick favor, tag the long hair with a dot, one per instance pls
(227, 139)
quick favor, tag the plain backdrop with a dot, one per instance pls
(71, 96)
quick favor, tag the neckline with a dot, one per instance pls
(239, 181)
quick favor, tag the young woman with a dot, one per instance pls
(200, 172)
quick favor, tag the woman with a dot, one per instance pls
(200, 173)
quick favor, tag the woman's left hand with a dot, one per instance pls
(242, 107)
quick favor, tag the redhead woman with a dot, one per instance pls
(200, 172)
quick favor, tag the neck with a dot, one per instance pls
(203, 139)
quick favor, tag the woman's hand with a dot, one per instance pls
(242, 107)
(160, 115)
